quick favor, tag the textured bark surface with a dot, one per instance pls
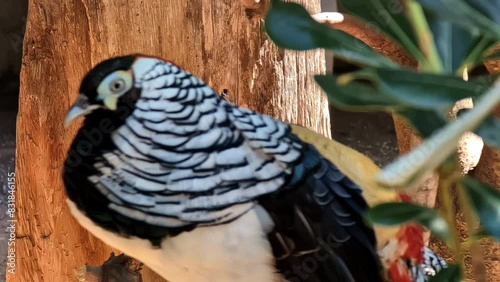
(488, 171)
(375, 40)
(220, 41)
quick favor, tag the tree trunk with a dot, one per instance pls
(220, 41)
(488, 171)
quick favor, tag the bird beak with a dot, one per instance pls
(80, 108)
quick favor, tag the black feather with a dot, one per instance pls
(319, 232)
(79, 165)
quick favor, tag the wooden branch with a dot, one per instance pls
(488, 169)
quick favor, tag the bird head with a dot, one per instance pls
(110, 86)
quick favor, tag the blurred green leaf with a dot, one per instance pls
(423, 99)
(355, 96)
(483, 83)
(290, 26)
(425, 90)
(489, 130)
(489, 8)
(463, 14)
(425, 122)
(415, 89)
(458, 47)
(395, 213)
(475, 55)
(452, 273)
(486, 202)
(452, 42)
(386, 16)
(390, 214)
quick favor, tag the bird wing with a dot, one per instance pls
(356, 166)
(319, 225)
(359, 169)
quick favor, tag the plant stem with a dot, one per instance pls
(400, 34)
(476, 251)
(444, 190)
(409, 170)
(474, 56)
(426, 41)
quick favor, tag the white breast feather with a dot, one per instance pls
(233, 252)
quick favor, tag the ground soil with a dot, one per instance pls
(370, 133)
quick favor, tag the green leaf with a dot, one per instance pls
(458, 48)
(486, 202)
(452, 273)
(290, 26)
(477, 52)
(425, 122)
(423, 99)
(418, 90)
(425, 90)
(446, 36)
(355, 96)
(489, 8)
(462, 14)
(387, 16)
(390, 214)
(489, 130)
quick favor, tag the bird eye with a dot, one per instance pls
(117, 85)
(114, 84)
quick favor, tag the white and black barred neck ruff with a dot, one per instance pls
(431, 265)
(185, 156)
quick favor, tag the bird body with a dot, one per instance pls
(199, 189)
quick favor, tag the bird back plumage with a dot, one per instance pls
(319, 232)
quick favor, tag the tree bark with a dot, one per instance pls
(220, 41)
(488, 171)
